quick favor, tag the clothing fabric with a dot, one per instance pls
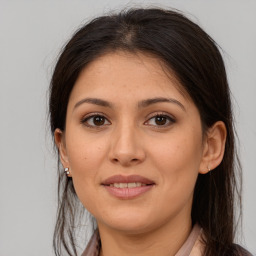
(193, 246)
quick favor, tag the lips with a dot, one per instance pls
(127, 179)
(127, 187)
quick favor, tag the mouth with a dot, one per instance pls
(127, 187)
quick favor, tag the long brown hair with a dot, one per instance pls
(196, 61)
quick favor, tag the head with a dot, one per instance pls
(157, 52)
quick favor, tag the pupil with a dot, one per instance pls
(160, 120)
(98, 120)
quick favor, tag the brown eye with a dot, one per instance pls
(95, 121)
(98, 120)
(160, 120)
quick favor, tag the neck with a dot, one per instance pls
(166, 240)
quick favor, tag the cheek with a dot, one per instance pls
(85, 158)
(179, 151)
(84, 165)
(85, 153)
(178, 161)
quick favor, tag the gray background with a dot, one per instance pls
(31, 35)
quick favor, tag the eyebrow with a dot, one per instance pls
(148, 102)
(94, 101)
(141, 104)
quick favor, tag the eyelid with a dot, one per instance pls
(93, 114)
(160, 113)
(170, 117)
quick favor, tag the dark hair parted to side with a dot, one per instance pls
(195, 60)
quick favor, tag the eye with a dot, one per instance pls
(160, 120)
(95, 121)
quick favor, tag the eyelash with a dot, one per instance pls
(91, 116)
(168, 118)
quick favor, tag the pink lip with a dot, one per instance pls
(127, 179)
(127, 193)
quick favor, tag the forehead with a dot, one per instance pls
(127, 74)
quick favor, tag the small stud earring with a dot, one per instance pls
(67, 171)
(208, 169)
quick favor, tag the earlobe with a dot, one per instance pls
(60, 143)
(214, 147)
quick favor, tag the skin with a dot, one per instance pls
(130, 141)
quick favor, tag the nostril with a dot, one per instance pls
(125, 161)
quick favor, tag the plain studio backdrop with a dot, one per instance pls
(31, 36)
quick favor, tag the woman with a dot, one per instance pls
(141, 115)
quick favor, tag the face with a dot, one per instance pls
(133, 143)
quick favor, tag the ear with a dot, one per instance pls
(59, 138)
(214, 147)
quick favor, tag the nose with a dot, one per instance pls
(126, 146)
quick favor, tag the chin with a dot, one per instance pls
(129, 222)
(131, 227)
